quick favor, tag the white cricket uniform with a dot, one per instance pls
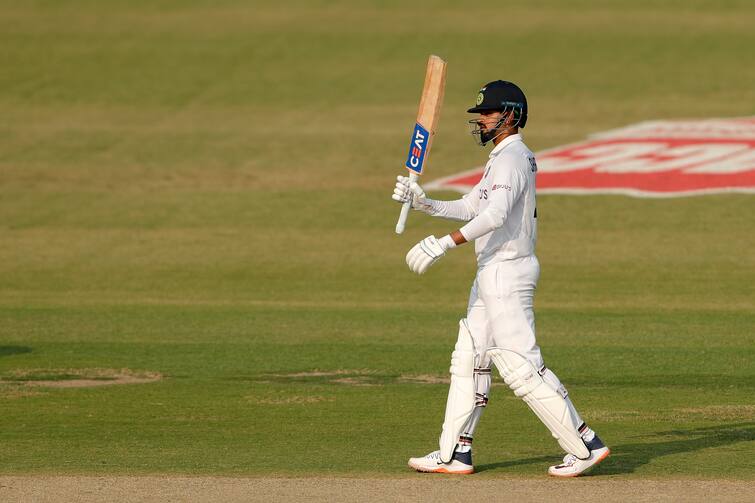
(502, 221)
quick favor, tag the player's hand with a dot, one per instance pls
(427, 252)
(407, 189)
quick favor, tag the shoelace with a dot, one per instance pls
(434, 455)
(570, 459)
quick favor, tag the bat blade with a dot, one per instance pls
(427, 123)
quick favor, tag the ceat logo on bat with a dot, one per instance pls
(417, 149)
(650, 159)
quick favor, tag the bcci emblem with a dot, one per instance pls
(480, 97)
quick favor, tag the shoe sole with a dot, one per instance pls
(441, 470)
(571, 475)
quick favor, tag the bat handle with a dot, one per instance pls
(401, 224)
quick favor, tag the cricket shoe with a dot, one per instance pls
(572, 466)
(461, 463)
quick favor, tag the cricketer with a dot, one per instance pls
(501, 218)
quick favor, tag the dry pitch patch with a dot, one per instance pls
(420, 488)
(28, 382)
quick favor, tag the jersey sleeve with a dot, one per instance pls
(506, 187)
(472, 200)
(458, 209)
(464, 209)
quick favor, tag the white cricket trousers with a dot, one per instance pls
(500, 312)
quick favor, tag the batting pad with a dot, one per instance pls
(546, 402)
(461, 394)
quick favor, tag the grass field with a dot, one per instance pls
(199, 191)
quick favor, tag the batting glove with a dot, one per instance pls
(427, 252)
(407, 189)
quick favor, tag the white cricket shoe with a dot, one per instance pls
(572, 466)
(461, 463)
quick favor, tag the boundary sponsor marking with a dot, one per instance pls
(649, 159)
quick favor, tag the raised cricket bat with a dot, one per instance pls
(427, 122)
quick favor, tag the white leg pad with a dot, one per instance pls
(461, 394)
(553, 380)
(548, 403)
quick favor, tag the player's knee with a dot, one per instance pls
(517, 371)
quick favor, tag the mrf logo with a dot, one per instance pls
(417, 149)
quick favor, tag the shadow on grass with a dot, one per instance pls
(626, 458)
(14, 350)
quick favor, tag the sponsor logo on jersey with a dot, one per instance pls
(417, 149)
(650, 159)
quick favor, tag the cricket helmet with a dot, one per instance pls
(504, 96)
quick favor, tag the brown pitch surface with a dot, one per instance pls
(430, 488)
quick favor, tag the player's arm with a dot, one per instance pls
(508, 187)
(505, 190)
(464, 209)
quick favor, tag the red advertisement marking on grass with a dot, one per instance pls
(650, 159)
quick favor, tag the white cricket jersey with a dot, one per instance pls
(505, 225)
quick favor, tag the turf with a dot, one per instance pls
(200, 189)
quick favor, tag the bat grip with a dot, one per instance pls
(413, 177)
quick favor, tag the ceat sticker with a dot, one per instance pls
(649, 159)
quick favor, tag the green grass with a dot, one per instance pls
(200, 189)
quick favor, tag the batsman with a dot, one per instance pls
(500, 215)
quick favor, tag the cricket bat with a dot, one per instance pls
(424, 129)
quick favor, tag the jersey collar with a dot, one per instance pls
(506, 141)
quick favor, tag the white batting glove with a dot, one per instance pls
(407, 189)
(427, 252)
